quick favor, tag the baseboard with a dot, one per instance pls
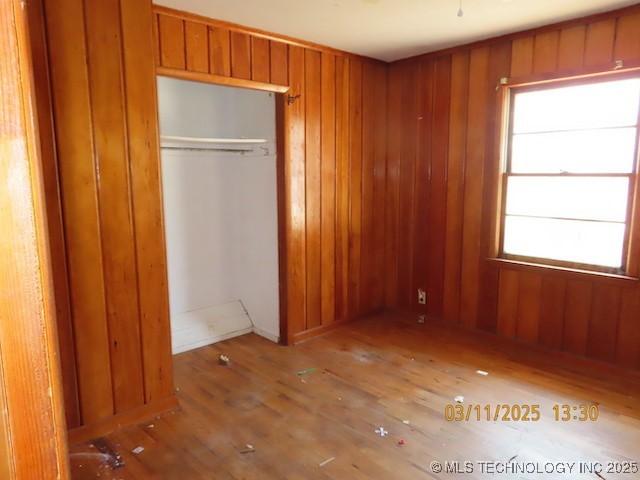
(314, 332)
(125, 419)
(558, 358)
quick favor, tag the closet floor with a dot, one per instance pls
(317, 410)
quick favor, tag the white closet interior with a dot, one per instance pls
(220, 211)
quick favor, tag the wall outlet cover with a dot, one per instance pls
(422, 297)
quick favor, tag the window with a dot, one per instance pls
(570, 173)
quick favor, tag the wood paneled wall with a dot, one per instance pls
(365, 223)
(334, 158)
(98, 118)
(98, 115)
(442, 190)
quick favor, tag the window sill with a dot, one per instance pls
(565, 271)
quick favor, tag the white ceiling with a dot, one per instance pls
(393, 29)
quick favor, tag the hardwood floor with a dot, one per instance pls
(383, 371)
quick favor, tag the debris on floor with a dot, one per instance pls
(328, 460)
(98, 461)
(223, 359)
(406, 422)
(114, 459)
(138, 450)
(306, 371)
(382, 432)
(401, 442)
(459, 399)
(482, 372)
(248, 448)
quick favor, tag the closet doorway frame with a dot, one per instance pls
(281, 98)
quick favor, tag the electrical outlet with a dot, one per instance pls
(422, 297)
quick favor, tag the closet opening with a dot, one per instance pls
(221, 161)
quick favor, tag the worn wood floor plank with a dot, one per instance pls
(380, 371)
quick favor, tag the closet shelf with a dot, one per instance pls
(212, 141)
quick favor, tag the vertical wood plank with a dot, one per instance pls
(576, 316)
(379, 178)
(72, 112)
(571, 48)
(219, 51)
(328, 184)
(474, 183)
(522, 57)
(116, 224)
(627, 46)
(260, 59)
(438, 191)
(240, 55)
(392, 187)
(499, 67)
(144, 164)
(172, 47)
(355, 184)
(628, 348)
(552, 312)
(420, 226)
(508, 303)
(279, 62)
(342, 187)
(455, 184)
(156, 37)
(295, 194)
(599, 42)
(55, 224)
(313, 185)
(197, 47)
(281, 105)
(32, 431)
(408, 117)
(545, 52)
(529, 300)
(603, 328)
(367, 265)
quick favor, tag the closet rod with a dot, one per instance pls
(204, 149)
(171, 138)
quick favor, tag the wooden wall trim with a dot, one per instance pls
(568, 360)
(624, 11)
(256, 32)
(319, 330)
(220, 80)
(32, 441)
(600, 277)
(108, 425)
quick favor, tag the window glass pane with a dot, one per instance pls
(581, 151)
(592, 243)
(595, 105)
(593, 198)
